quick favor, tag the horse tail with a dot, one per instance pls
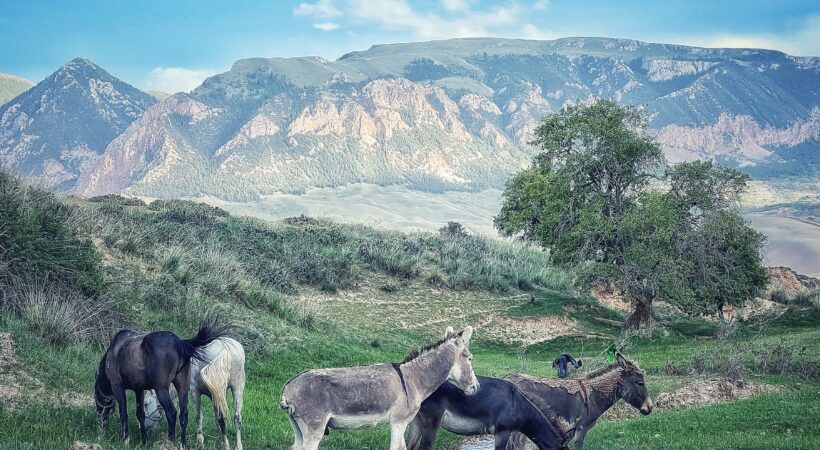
(194, 347)
(216, 375)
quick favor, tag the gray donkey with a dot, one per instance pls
(365, 396)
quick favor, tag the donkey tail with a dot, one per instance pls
(208, 332)
(216, 375)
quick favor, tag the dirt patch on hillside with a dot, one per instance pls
(785, 279)
(529, 330)
(697, 393)
(610, 296)
(18, 387)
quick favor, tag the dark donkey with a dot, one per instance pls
(497, 408)
(575, 405)
(140, 362)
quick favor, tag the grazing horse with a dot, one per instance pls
(225, 369)
(140, 362)
(561, 362)
(498, 408)
(364, 396)
(577, 404)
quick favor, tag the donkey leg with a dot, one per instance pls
(164, 398)
(140, 395)
(238, 392)
(297, 434)
(122, 404)
(414, 433)
(200, 437)
(501, 439)
(397, 436)
(429, 428)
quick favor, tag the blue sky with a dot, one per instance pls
(172, 45)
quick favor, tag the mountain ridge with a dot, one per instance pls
(448, 115)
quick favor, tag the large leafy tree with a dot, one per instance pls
(600, 198)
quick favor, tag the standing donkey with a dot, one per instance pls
(223, 368)
(576, 404)
(365, 396)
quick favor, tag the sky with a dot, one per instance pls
(172, 45)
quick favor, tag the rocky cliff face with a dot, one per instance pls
(55, 130)
(445, 115)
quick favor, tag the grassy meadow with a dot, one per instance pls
(310, 293)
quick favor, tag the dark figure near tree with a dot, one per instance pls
(562, 362)
(141, 362)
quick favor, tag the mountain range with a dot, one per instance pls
(452, 115)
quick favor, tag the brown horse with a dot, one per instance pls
(575, 405)
(140, 362)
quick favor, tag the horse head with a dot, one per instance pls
(632, 387)
(103, 397)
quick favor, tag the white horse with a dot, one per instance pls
(225, 368)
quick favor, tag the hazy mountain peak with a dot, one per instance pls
(11, 86)
(57, 128)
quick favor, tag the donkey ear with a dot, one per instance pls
(448, 332)
(466, 334)
(622, 362)
(579, 364)
(555, 362)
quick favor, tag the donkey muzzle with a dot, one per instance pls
(646, 408)
(472, 389)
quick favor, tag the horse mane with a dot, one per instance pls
(427, 348)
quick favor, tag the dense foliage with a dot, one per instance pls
(601, 199)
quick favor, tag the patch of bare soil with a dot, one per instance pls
(18, 387)
(697, 393)
(413, 305)
(752, 308)
(529, 330)
(85, 446)
(610, 296)
(784, 278)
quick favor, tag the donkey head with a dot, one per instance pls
(461, 373)
(153, 410)
(633, 385)
(104, 398)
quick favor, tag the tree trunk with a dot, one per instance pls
(641, 317)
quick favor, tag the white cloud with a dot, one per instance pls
(456, 5)
(326, 26)
(397, 15)
(803, 40)
(324, 9)
(541, 5)
(447, 19)
(176, 79)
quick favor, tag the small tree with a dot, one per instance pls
(588, 198)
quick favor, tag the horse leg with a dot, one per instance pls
(200, 437)
(140, 395)
(182, 384)
(122, 404)
(164, 398)
(219, 416)
(397, 435)
(238, 392)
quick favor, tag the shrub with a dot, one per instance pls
(62, 317)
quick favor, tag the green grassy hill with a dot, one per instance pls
(313, 293)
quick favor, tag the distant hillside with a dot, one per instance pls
(12, 86)
(53, 131)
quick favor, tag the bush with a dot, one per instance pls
(117, 199)
(63, 317)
